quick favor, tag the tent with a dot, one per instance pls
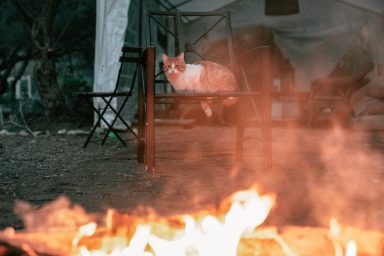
(314, 39)
(111, 23)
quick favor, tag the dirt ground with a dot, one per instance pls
(316, 173)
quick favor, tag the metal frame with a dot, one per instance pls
(180, 21)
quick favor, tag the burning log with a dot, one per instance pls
(290, 240)
(49, 229)
(316, 240)
(236, 232)
(60, 214)
(35, 243)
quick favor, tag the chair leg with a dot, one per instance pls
(99, 117)
(110, 129)
(118, 116)
(89, 137)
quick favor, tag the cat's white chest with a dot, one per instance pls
(189, 79)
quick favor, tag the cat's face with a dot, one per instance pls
(173, 65)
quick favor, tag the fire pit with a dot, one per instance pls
(233, 228)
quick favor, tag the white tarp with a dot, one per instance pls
(316, 38)
(371, 5)
(111, 22)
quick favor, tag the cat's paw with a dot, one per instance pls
(208, 112)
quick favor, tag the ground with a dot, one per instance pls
(316, 173)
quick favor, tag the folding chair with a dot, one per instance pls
(177, 26)
(130, 55)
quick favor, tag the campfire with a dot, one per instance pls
(234, 228)
(202, 234)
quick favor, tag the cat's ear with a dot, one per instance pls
(181, 56)
(164, 57)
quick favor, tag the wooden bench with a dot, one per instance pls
(148, 98)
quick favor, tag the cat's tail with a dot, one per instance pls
(230, 101)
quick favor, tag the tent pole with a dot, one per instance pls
(141, 8)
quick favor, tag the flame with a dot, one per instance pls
(351, 248)
(85, 230)
(204, 236)
(334, 234)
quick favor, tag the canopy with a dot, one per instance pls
(318, 36)
(314, 39)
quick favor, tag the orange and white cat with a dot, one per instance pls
(200, 77)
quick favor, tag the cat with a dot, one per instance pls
(200, 77)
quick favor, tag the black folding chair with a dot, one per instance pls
(129, 55)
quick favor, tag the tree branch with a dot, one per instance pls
(25, 17)
(11, 59)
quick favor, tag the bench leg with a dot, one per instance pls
(239, 142)
(150, 108)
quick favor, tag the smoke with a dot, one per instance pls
(316, 174)
(349, 188)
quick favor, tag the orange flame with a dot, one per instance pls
(205, 236)
(334, 234)
(351, 248)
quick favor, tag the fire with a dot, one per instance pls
(206, 235)
(351, 248)
(232, 229)
(85, 230)
(335, 236)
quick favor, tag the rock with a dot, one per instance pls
(62, 131)
(7, 133)
(23, 133)
(77, 132)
